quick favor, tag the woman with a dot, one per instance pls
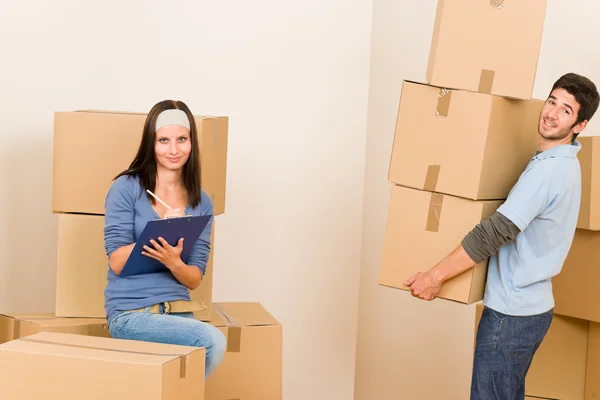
(156, 307)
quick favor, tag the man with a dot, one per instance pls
(527, 240)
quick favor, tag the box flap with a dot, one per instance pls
(92, 111)
(111, 344)
(72, 345)
(29, 316)
(32, 346)
(242, 314)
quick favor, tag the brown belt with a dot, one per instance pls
(178, 306)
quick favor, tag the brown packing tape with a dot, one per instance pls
(435, 212)
(17, 328)
(497, 3)
(215, 131)
(182, 357)
(234, 330)
(234, 339)
(486, 81)
(433, 172)
(443, 104)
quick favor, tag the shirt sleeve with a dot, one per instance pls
(198, 257)
(529, 197)
(488, 236)
(119, 215)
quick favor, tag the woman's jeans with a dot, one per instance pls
(503, 353)
(175, 328)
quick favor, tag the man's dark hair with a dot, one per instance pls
(584, 91)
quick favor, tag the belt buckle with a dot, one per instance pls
(167, 306)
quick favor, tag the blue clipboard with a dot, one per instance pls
(171, 229)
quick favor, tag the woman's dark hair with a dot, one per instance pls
(144, 163)
(583, 90)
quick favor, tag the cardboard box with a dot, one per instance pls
(82, 268)
(589, 160)
(203, 293)
(252, 366)
(592, 383)
(15, 326)
(92, 147)
(487, 46)
(74, 367)
(421, 229)
(558, 369)
(461, 143)
(575, 289)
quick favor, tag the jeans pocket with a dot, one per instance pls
(526, 334)
(117, 322)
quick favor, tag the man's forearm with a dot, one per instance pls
(454, 264)
(483, 241)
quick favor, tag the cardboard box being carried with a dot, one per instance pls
(462, 143)
(92, 147)
(589, 160)
(82, 268)
(575, 289)
(487, 46)
(558, 369)
(421, 229)
(73, 367)
(252, 366)
(15, 326)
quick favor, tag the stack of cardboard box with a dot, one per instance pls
(461, 141)
(90, 149)
(576, 296)
(463, 138)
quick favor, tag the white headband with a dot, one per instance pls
(172, 117)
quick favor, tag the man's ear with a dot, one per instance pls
(577, 129)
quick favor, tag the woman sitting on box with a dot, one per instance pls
(156, 307)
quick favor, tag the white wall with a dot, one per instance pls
(292, 76)
(420, 349)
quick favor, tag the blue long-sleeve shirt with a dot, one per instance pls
(128, 209)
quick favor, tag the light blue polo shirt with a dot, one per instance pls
(544, 205)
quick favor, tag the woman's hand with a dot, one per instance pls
(165, 253)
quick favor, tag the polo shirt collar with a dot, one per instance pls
(564, 150)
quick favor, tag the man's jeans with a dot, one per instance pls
(504, 350)
(181, 328)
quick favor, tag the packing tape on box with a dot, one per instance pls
(182, 357)
(17, 329)
(486, 81)
(234, 330)
(435, 212)
(215, 131)
(431, 179)
(497, 3)
(443, 103)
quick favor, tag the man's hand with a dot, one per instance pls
(424, 285)
(165, 253)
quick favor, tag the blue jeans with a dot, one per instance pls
(175, 328)
(504, 349)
